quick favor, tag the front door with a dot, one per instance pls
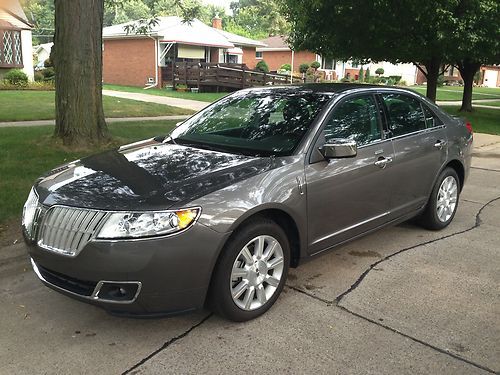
(346, 197)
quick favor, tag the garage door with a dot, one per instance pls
(490, 78)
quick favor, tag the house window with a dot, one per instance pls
(10, 49)
(258, 55)
(328, 63)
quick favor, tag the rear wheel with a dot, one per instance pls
(251, 272)
(443, 202)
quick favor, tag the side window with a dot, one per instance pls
(355, 119)
(405, 114)
(431, 120)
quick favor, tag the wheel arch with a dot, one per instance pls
(458, 167)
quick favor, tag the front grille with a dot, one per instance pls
(81, 287)
(66, 230)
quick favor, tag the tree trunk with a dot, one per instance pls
(77, 57)
(432, 74)
(467, 70)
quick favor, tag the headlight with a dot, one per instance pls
(147, 224)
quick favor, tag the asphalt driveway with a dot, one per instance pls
(403, 300)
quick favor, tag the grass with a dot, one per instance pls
(201, 96)
(28, 152)
(26, 105)
(493, 104)
(452, 93)
(483, 120)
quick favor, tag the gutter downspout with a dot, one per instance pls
(155, 84)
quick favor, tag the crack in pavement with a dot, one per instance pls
(485, 169)
(339, 298)
(166, 345)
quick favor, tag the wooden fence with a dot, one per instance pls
(209, 76)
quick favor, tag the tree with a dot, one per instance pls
(41, 14)
(379, 71)
(258, 18)
(124, 11)
(315, 65)
(393, 30)
(303, 68)
(77, 58)
(367, 75)
(474, 30)
(361, 76)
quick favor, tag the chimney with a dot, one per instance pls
(217, 22)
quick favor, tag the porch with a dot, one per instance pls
(206, 76)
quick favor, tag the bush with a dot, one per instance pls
(38, 76)
(361, 76)
(345, 80)
(367, 75)
(315, 65)
(16, 77)
(303, 68)
(262, 66)
(286, 67)
(402, 83)
(440, 81)
(391, 82)
(48, 63)
(396, 78)
(379, 71)
(48, 74)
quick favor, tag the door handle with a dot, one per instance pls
(440, 144)
(383, 161)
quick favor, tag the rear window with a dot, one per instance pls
(405, 114)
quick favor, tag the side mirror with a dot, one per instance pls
(339, 148)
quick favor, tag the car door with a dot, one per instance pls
(420, 148)
(346, 197)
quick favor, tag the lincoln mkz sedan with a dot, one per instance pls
(216, 212)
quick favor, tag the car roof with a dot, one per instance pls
(328, 88)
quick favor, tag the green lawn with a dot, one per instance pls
(201, 96)
(28, 152)
(493, 104)
(483, 120)
(451, 93)
(24, 105)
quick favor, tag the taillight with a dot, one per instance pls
(469, 127)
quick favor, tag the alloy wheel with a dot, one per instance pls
(447, 199)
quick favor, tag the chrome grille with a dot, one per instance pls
(66, 230)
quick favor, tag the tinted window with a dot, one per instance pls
(267, 122)
(355, 119)
(431, 119)
(405, 114)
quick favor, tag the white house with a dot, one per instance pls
(42, 53)
(16, 49)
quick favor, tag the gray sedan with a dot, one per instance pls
(215, 213)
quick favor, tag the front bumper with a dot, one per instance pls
(164, 275)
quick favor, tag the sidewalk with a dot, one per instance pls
(194, 105)
(108, 120)
(475, 103)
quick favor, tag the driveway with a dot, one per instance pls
(403, 300)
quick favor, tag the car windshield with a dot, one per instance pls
(261, 123)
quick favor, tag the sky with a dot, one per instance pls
(223, 3)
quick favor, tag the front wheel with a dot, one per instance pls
(443, 202)
(251, 272)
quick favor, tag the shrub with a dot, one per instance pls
(379, 71)
(315, 65)
(395, 78)
(48, 63)
(402, 83)
(361, 76)
(262, 66)
(303, 68)
(345, 80)
(286, 67)
(48, 74)
(367, 75)
(391, 82)
(440, 81)
(16, 77)
(38, 76)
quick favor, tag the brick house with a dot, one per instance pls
(16, 49)
(143, 60)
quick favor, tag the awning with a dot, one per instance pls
(235, 51)
(190, 52)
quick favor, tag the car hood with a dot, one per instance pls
(146, 175)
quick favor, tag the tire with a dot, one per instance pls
(255, 281)
(440, 211)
